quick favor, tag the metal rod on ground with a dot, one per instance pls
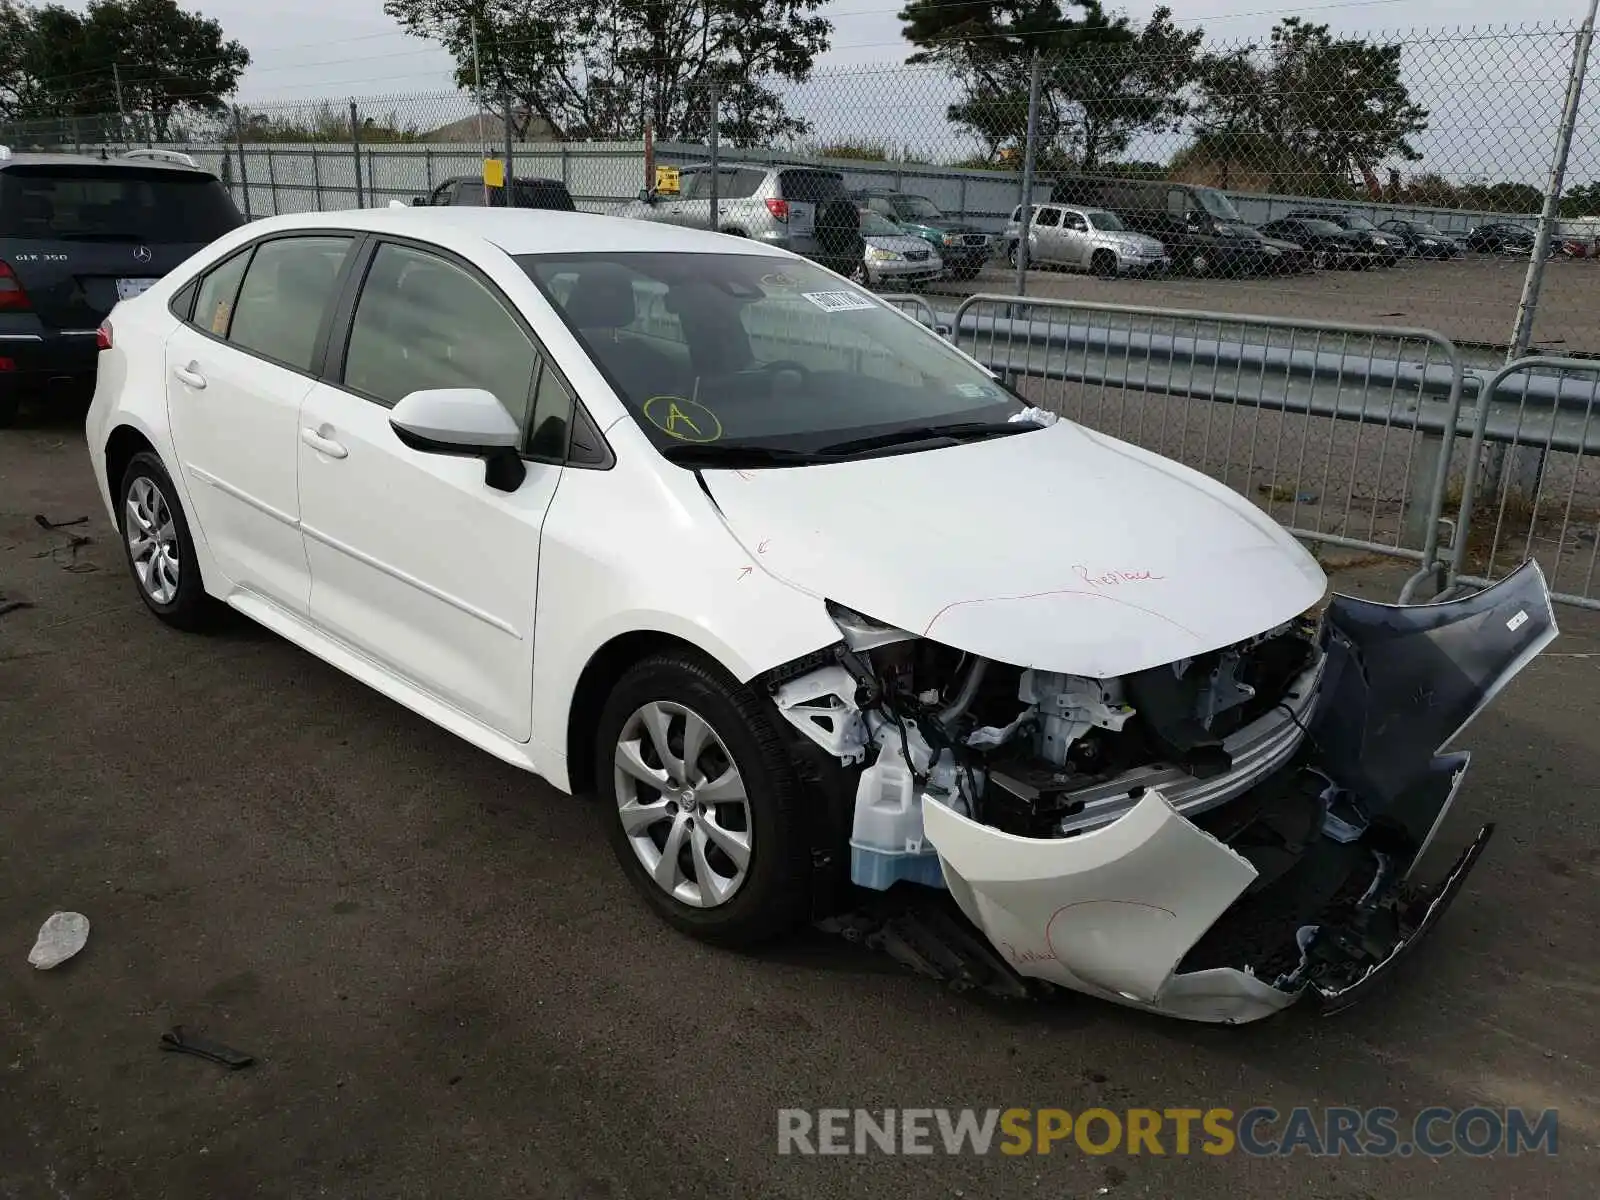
(1025, 216)
(244, 179)
(355, 146)
(1530, 463)
(711, 118)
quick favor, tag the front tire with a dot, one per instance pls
(1104, 264)
(703, 809)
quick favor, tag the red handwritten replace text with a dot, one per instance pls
(1113, 579)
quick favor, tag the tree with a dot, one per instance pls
(1340, 102)
(55, 62)
(1102, 80)
(604, 69)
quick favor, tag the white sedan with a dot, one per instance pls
(804, 594)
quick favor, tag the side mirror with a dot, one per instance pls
(648, 195)
(468, 422)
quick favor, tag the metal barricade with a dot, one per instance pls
(915, 307)
(1534, 487)
(1343, 432)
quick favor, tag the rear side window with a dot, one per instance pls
(744, 184)
(286, 290)
(213, 309)
(811, 186)
(72, 201)
(1048, 217)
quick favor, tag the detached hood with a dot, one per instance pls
(1058, 548)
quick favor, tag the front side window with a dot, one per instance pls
(286, 291)
(1074, 222)
(755, 350)
(423, 322)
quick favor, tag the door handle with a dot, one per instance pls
(323, 445)
(191, 375)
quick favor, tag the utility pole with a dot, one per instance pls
(477, 97)
(1025, 215)
(122, 112)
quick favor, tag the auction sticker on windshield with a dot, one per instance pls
(837, 301)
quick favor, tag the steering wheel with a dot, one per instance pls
(780, 364)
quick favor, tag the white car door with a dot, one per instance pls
(1074, 236)
(1044, 239)
(237, 371)
(416, 561)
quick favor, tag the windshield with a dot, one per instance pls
(749, 349)
(1426, 230)
(1109, 222)
(877, 225)
(66, 201)
(1355, 221)
(1320, 228)
(917, 208)
(1218, 205)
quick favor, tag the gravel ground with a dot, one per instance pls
(451, 991)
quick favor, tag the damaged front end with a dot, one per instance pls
(1211, 839)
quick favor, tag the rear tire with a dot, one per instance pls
(735, 797)
(9, 407)
(159, 548)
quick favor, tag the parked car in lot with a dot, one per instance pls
(1328, 245)
(1144, 758)
(1280, 255)
(1501, 237)
(76, 235)
(894, 257)
(1387, 248)
(963, 247)
(801, 209)
(1201, 229)
(525, 193)
(1084, 239)
(1423, 240)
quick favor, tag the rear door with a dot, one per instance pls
(237, 371)
(88, 235)
(1044, 241)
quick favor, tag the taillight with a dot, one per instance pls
(779, 209)
(12, 297)
(102, 336)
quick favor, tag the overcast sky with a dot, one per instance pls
(307, 48)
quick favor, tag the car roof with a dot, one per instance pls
(28, 158)
(523, 230)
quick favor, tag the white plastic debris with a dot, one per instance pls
(1039, 416)
(398, 204)
(62, 936)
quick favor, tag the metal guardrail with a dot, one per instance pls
(1342, 431)
(1549, 507)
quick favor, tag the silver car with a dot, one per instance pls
(1085, 239)
(894, 256)
(801, 209)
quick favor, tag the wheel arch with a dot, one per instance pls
(122, 444)
(599, 675)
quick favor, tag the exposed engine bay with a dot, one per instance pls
(1208, 838)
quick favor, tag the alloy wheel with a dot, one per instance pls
(682, 804)
(152, 541)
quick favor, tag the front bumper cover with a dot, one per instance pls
(1151, 910)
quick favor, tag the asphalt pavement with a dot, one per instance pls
(450, 991)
